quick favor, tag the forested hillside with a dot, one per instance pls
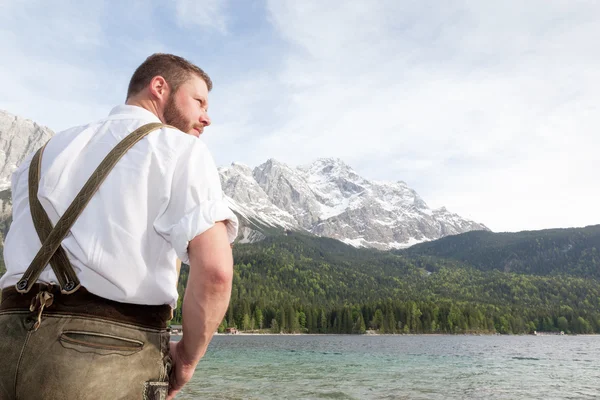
(571, 252)
(302, 283)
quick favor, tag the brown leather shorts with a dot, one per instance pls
(84, 347)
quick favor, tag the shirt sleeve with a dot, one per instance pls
(196, 201)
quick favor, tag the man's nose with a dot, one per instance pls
(205, 119)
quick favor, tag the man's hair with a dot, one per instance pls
(176, 70)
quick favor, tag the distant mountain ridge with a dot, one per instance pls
(326, 198)
(565, 251)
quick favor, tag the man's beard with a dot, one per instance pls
(174, 117)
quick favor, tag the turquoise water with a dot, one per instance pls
(398, 367)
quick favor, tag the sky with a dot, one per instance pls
(487, 108)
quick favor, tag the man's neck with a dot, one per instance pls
(146, 104)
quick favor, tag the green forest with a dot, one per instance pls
(478, 282)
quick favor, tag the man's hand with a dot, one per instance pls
(181, 370)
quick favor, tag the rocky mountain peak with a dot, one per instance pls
(236, 169)
(18, 138)
(328, 168)
(328, 198)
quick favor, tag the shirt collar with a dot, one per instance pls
(125, 111)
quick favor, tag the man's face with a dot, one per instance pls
(186, 109)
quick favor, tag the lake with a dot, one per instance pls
(398, 367)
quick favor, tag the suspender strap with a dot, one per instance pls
(59, 262)
(52, 242)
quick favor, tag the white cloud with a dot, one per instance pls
(487, 109)
(69, 62)
(207, 14)
(55, 27)
(45, 49)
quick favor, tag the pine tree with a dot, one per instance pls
(282, 320)
(377, 322)
(246, 322)
(563, 324)
(390, 321)
(275, 326)
(222, 326)
(292, 324)
(230, 319)
(415, 315)
(302, 320)
(359, 325)
(309, 321)
(324, 326)
(258, 316)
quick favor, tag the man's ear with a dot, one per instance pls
(159, 88)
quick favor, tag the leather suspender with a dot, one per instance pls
(60, 262)
(51, 238)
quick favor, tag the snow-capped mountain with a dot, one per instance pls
(328, 198)
(18, 138)
(325, 198)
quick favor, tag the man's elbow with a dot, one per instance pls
(220, 275)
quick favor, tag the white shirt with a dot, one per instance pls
(163, 192)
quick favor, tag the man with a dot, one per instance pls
(161, 201)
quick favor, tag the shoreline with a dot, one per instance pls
(396, 334)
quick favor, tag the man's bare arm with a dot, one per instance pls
(208, 290)
(205, 303)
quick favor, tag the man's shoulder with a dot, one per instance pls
(183, 141)
(73, 130)
(175, 145)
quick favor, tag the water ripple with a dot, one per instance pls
(411, 367)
